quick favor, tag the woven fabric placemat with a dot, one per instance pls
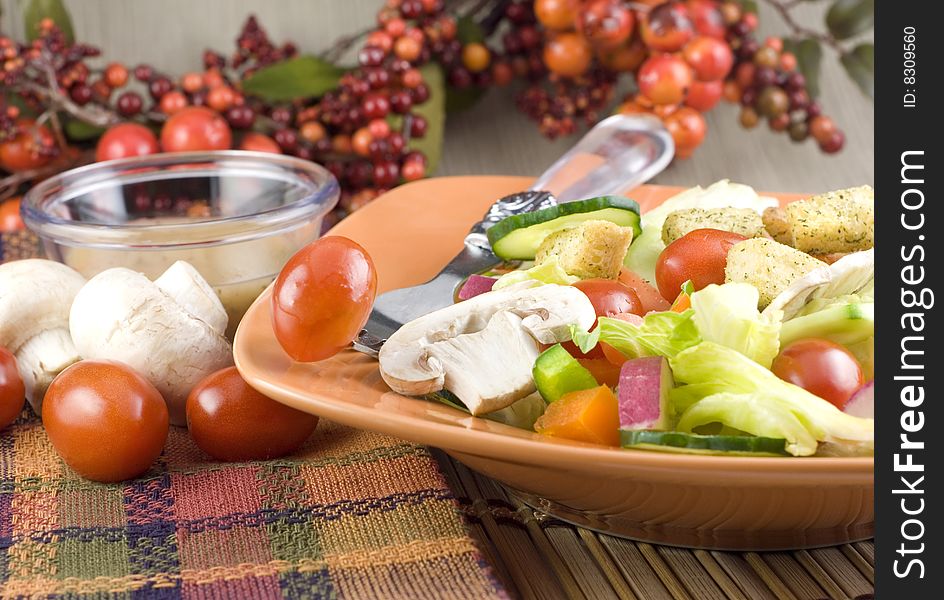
(352, 514)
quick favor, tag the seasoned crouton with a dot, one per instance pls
(591, 249)
(744, 221)
(840, 221)
(767, 265)
(777, 226)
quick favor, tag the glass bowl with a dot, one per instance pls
(236, 216)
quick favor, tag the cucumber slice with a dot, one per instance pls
(556, 373)
(693, 443)
(517, 237)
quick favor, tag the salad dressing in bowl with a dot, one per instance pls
(236, 216)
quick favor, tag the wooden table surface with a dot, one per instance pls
(492, 137)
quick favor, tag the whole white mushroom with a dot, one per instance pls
(170, 330)
(35, 298)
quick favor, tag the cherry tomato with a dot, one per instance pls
(820, 367)
(603, 370)
(10, 219)
(124, 140)
(195, 128)
(664, 79)
(700, 255)
(25, 150)
(259, 142)
(609, 298)
(650, 297)
(322, 298)
(12, 391)
(231, 421)
(106, 421)
(609, 352)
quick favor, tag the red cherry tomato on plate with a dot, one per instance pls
(699, 256)
(820, 367)
(12, 391)
(231, 421)
(106, 421)
(609, 298)
(124, 140)
(650, 297)
(195, 128)
(322, 298)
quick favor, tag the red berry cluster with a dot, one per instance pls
(685, 56)
(768, 86)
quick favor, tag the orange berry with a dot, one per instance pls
(687, 127)
(116, 75)
(378, 128)
(502, 73)
(788, 61)
(664, 79)
(567, 54)
(361, 140)
(476, 57)
(624, 58)
(172, 101)
(407, 48)
(341, 144)
(822, 128)
(312, 131)
(220, 98)
(557, 15)
(191, 82)
(774, 42)
(212, 78)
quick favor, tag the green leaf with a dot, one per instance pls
(37, 10)
(848, 18)
(434, 111)
(80, 131)
(748, 5)
(860, 65)
(809, 55)
(302, 77)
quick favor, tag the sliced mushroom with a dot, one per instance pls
(423, 356)
(35, 298)
(489, 369)
(847, 275)
(122, 315)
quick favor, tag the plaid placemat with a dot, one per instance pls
(352, 515)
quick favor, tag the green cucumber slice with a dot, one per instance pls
(693, 443)
(556, 373)
(517, 237)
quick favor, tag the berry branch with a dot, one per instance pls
(783, 9)
(379, 123)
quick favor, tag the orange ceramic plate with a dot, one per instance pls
(688, 500)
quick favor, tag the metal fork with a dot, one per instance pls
(619, 153)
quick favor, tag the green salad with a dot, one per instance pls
(717, 323)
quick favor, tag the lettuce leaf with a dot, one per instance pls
(549, 271)
(752, 414)
(727, 314)
(717, 369)
(660, 334)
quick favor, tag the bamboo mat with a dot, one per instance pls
(537, 556)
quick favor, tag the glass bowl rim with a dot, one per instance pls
(322, 187)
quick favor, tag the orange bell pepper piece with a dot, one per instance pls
(586, 416)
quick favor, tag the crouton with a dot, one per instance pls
(767, 265)
(840, 221)
(744, 221)
(591, 249)
(777, 226)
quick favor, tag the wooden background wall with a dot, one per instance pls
(492, 137)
